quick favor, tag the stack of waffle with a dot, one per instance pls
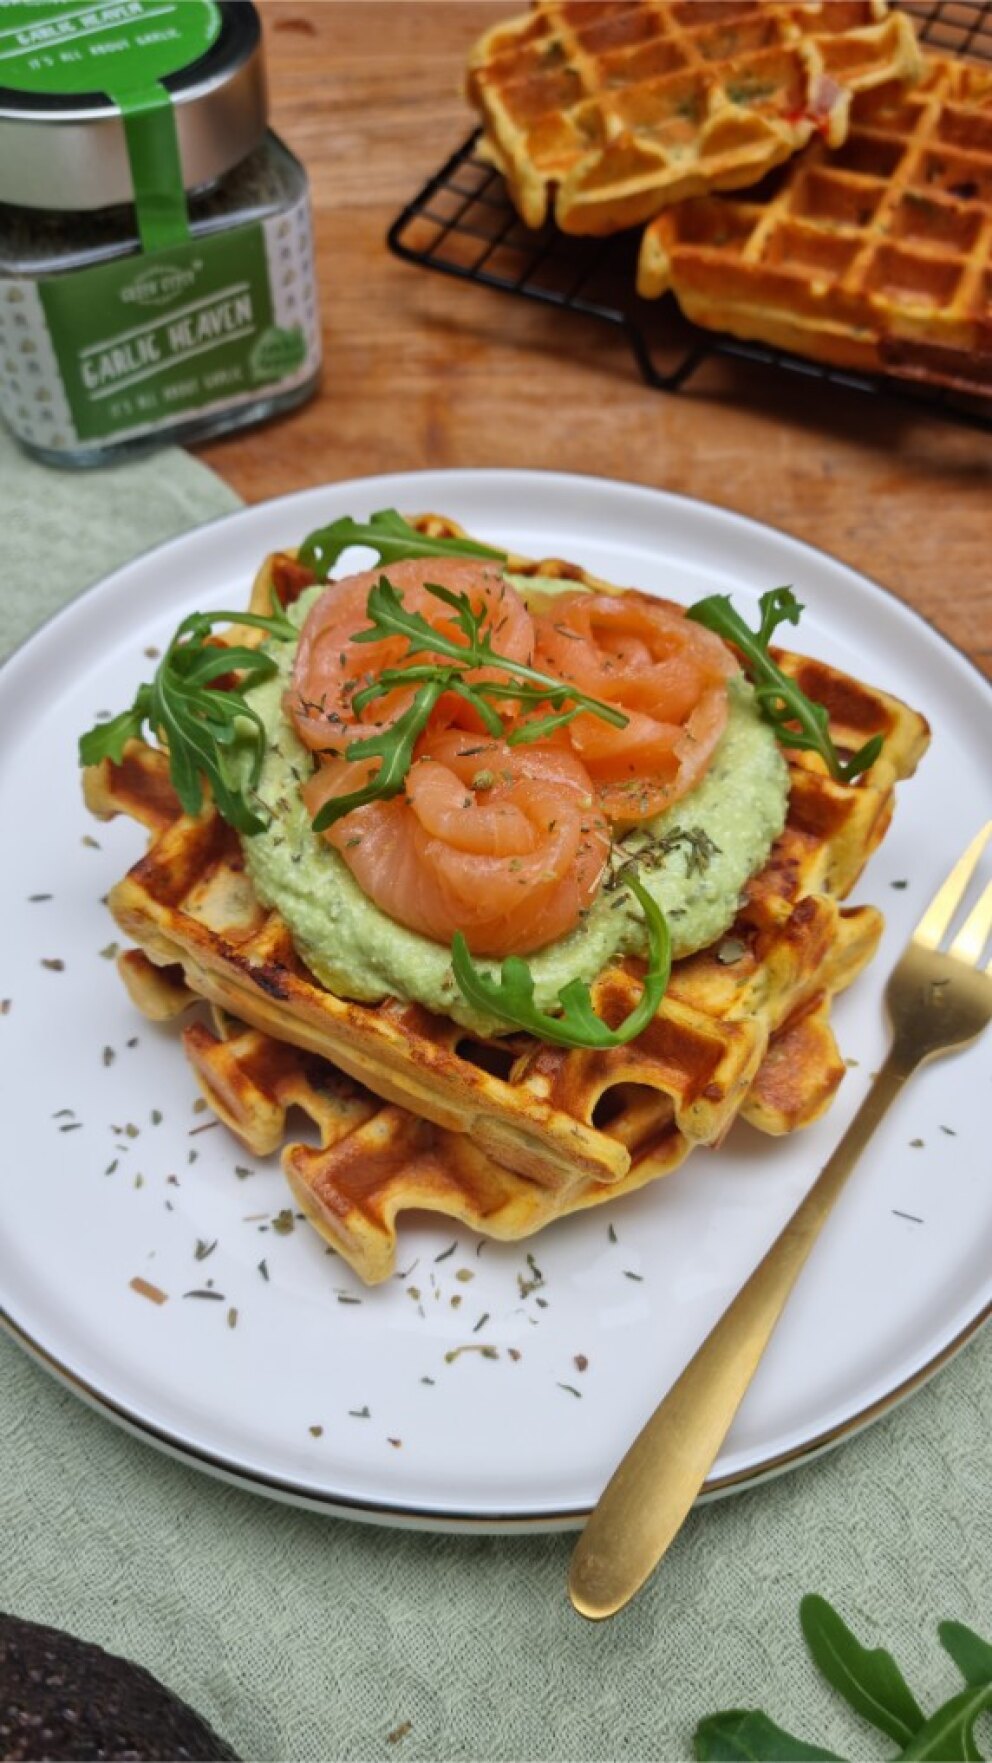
(505, 1134)
(863, 236)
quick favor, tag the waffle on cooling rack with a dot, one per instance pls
(878, 256)
(507, 1133)
(612, 109)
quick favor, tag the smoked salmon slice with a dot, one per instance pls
(505, 840)
(330, 667)
(666, 673)
(502, 843)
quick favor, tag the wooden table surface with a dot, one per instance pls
(421, 371)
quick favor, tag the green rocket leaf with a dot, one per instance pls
(745, 1735)
(795, 719)
(971, 1655)
(870, 1680)
(390, 536)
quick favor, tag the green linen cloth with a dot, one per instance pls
(305, 1637)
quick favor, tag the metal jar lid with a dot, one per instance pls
(69, 152)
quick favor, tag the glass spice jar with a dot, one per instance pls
(156, 254)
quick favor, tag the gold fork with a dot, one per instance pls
(937, 1001)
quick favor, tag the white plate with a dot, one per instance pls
(902, 1273)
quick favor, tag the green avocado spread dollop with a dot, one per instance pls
(695, 860)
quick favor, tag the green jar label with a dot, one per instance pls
(112, 48)
(144, 340)
(149, 342)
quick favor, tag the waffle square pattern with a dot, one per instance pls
(607, 111)
(506, 1133)
(875, 257)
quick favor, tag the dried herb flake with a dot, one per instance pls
(145, 1290)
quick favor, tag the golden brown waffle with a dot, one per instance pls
(375, 1161)
(559, 1117)
(615, 108)
(567, 1123)
(876, 257)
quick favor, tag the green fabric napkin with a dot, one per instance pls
(304, 1637)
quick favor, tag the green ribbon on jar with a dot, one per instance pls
(125, 49)
(156, 171)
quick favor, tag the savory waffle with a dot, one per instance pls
(568, 1122)
(537, 1109)
(375, 1161)
(877, 257)
(613, 109)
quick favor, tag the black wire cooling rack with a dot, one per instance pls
(463, 224)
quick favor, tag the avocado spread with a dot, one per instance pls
(694, 859)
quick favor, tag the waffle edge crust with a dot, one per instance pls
(414, 1112)
(876, 258)
(604, 112)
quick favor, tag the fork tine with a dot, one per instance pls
(949, 895)
(973, 935)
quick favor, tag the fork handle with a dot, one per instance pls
(649, 1495)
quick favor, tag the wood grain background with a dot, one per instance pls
(421, 371)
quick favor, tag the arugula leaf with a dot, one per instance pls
(540, 727)
(394, 747)
(875, 1688)
(107, 740)
(389, 535)
(971, 1655)
(212, 736)
(390, 618)
(511, 997)
(748, 1735)
(949, 1734)
(781, 701)
(869, 1680)
(393, 677)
